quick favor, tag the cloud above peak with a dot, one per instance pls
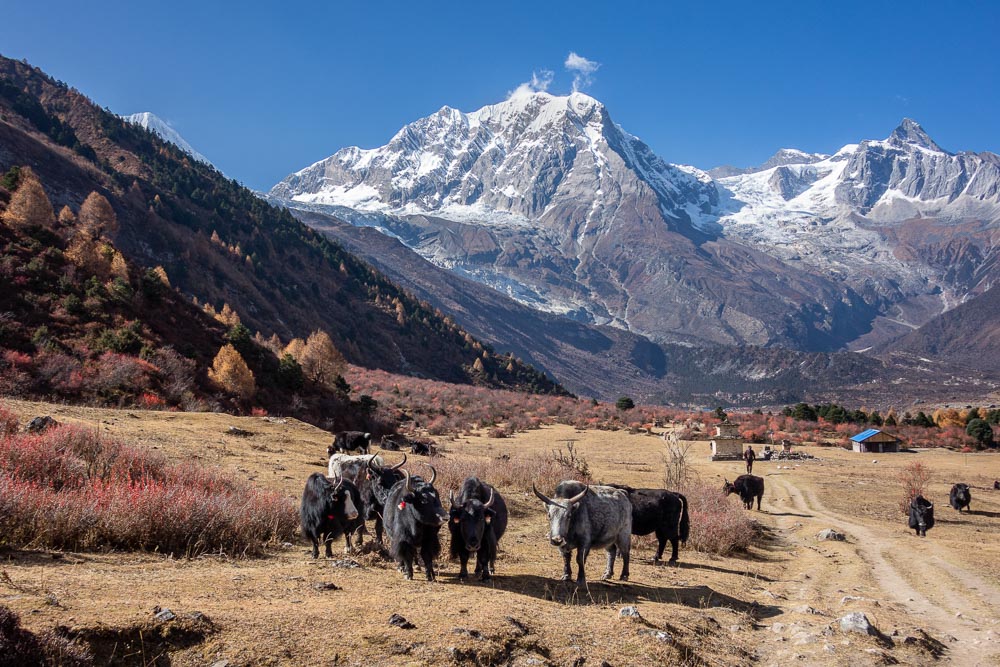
(539, 83)
(582, 69)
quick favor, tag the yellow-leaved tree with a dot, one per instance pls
(321, 361)
(230, 373)
(29, 206)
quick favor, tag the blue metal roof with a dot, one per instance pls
(864, 435)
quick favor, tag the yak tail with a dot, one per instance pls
(684, 524)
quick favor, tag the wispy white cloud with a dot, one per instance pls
(582, 69)
(539, 83)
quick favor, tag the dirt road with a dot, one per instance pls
(904, 574)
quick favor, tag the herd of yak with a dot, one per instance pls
(407, 508)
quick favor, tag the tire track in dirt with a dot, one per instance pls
(934, 573)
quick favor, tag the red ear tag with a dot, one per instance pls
(329, 516)
(401, 505)
(456, 520)
(488, 519)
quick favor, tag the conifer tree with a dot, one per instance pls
(97, 218)
(321, 361)
(230, 373)
(66, 217)
(29, 206)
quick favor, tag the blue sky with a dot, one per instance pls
(264, 89)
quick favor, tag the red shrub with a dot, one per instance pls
(8, 422)
(151, 401)
(718, 526)
(70, 488)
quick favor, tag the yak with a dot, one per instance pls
(748, 487)
(350, 441)
(960, 496)
(413, 516)
(379, 480)
(478, 521)
(921, 515)
(329, 510)
(585, 517)
(660, 511)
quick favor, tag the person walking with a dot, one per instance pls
(749, 457)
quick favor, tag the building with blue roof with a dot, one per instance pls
(874, 440)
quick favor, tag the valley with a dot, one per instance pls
(771, 605)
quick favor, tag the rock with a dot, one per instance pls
(806, 609)
(520, 627)
(163, 615)
(345, 562)
(41, 424)
(659, 635)
(475, 634)
(630, 611)
(400, 622)
(238, 432)
(220, 663)
(857, 622)
(875, 461)
(829, 648)
(831, 534)
(328, 586)
(734, 628)
(778, 628)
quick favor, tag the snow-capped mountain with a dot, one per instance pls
(782, 157)
(521, 160)
(901, 220)
(154, 123)
(547, 199)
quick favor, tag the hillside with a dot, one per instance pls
(606, 362)
(967, 336)
(219, 243)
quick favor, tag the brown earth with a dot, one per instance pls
(938, 596)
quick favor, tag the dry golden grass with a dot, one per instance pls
(717, 611)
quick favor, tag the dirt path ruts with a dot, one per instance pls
(933, 594)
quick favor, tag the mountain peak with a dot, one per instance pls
(910, 132)
(165, 131)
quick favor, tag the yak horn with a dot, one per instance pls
(434, 474)
(409, 485)
(490, 501)
(400, 464)
(371, 459)
(544, 499)
(578, 497)
(451, 497)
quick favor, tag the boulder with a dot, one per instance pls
(857, 622)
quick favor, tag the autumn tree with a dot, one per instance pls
(66, 217)
(228, 316)
(29, 206)
(321, 361)
(97, 218)
(230, 373)
(295, 347)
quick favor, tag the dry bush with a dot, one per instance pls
(677, 472)
(507, 473)
(717, 525)
(71, 488)
(914, 479)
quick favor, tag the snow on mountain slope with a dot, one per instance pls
(548, 200)
(848, 214)
(154, 123)
(507, 163)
